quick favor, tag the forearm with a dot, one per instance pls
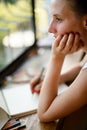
(50, 85)
(71, 74)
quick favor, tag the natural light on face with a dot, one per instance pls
(64, 19)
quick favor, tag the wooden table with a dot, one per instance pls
(33, 123)
(75, 121)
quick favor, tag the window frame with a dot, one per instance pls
(13, 66)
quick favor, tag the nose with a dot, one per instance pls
(51, 27)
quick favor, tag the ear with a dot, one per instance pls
(85, 21)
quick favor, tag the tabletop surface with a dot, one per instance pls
(32, 123)
(75, 121)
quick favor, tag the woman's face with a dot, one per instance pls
(64, 20)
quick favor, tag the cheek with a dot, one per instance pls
(67, 27)
(63, 29)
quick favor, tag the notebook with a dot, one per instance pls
(17, 100)
(4, 117)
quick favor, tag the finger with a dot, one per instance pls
(69, 43)
(37, 88)
(57, 41)
(63, 42)
(34, 80)
(76, 44)
(33, 83)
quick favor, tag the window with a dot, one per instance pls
(31, 19)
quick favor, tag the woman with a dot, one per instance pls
(69, 26)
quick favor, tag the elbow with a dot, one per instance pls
(43, 117)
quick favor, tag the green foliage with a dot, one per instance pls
(17, 11)
(10, 1)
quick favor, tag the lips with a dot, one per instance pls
(55, 36)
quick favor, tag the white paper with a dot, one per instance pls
(19, 98)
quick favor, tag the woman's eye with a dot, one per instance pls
(58, 19)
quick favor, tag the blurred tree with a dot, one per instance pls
(10, 1)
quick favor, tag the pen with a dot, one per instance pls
(19, 127)
(11, 124)
(39, 77)
(15, 124)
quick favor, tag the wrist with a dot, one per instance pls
(57, 58)
(56, 62)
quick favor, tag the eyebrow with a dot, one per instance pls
(56, 15)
